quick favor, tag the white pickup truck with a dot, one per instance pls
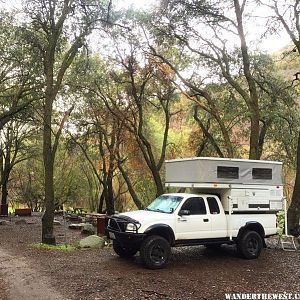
(226, 213)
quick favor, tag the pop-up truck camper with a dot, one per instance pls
(225, 201)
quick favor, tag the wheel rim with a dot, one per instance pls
(158, 255)
(252, 245)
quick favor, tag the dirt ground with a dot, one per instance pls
(193, 272)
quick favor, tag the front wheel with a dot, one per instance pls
(123, 251)
(155, 252)
(250, 245)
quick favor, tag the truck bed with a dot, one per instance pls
(236, 221)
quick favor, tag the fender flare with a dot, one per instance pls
(254, 226)
(163, 230)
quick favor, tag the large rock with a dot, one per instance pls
(20, 222)
(4, 222)
(92, 241)
(88, 229)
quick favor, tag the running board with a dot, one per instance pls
(198, 242)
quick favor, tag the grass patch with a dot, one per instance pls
(64, 247)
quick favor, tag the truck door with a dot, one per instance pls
(197, 224)
(217, 218)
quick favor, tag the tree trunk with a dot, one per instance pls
(5, 172)
(254, 152)
(131, 190)
(109, 201)
(101, 202)
(206, 133)
(48, 158)
(4, 192)
(48, 217)
(294, 209)
(148, 154)
(158, 182)
(262, 135)
(252, 101)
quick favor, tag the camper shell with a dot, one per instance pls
(242, 185)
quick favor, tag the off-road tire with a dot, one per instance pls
(155, 252)
(122, 251)
(250, 244)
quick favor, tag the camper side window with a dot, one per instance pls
(228, 172)
(261, 173)
(213, 205)
(195, 206)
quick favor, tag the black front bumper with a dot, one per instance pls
(116, 230)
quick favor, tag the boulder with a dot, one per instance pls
(20, 222)
(4, 222)
(92, 241)
(88, 229)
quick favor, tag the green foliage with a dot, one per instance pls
(28, 186)
(72, 186)
(69, 180)
(19, 80)
(145, 188)
(63, 247)
(281, 222)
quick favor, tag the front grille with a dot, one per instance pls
(119, 223)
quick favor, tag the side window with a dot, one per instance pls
(228, 172)
(213, 205)
(261, 173)
(195, 205)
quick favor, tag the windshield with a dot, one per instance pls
(165, 204)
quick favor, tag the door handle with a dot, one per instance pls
(205, 220)
(182, 220)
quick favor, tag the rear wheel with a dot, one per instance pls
(155, 252)
(123, 251)
(250, 245)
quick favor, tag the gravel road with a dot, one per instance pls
(193, 272)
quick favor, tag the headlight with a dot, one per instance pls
(131, 227)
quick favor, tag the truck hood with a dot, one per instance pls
(146, 217)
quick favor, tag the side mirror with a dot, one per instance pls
(184, 212)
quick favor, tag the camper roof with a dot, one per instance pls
(222, 170)
(226, 159)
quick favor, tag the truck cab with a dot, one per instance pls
(201, 217)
